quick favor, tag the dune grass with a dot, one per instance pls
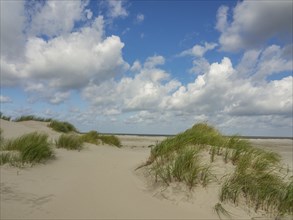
(4, 117)
(257, 178)
(1, 139)
(70, 142)
(31, 118)
(91, 137)
(110, 139)
(62, 126)
(95, 138)
(33, 148)
(221, 211)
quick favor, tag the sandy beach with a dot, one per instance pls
(100, 182)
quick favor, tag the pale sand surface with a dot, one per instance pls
(99, 182)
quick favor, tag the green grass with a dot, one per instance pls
(4, 117)
(95, 138)
(32, 148)
(221, 211)
(91, 137)
(184, 166)
(8, 157)
(200, 134)
(110, 139)
(70, 142)
(258, 178)
(1, 139)
(31, 118)
(61, 126)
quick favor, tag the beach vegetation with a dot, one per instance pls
(4, 117)
(62, 126)
(69, 142)
(110, 139)
(32, 148)
(95, 138)
(257, 177)
(91, 137)
(221, 211)
(32, 118)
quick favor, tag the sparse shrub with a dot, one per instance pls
(70, 142)
(32, 147)
(31, 118)
(64, 127)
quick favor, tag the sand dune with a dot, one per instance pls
(99, 182)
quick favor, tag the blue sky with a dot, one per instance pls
(154, 67)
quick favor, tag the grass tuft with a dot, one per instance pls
(95, 138)
(110, 139)
(221, 211)
(32, 148)
(70, 142)
(32, 118)
(4, 117)
(60, 126)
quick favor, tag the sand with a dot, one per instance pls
(100, 182)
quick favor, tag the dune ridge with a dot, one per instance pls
(99, 182)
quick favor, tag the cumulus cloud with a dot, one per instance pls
(13, 22)
(200, 64)
(220, 90)
(66, 62)
(254, 23)
(5, 99)
(144, 91)
(50, 19)
(221, 95)
(71, 61)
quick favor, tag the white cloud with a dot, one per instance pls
(144, 91)
(153, 61)
(200, 66)
(57, 17)
(5, 99)
(254, 23)
(67, 62)
(88, 13)
(260, 64)
(198, 50)
(116, 9)
(222, 18)
(139, 18)
(12, 26)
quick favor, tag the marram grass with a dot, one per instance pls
(32, 148)
(31, 118)
(70, 142)
(257, 178)
(95, 138)
(60, 126)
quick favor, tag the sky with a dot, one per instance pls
(150, 67)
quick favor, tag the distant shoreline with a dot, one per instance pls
(171, 135)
